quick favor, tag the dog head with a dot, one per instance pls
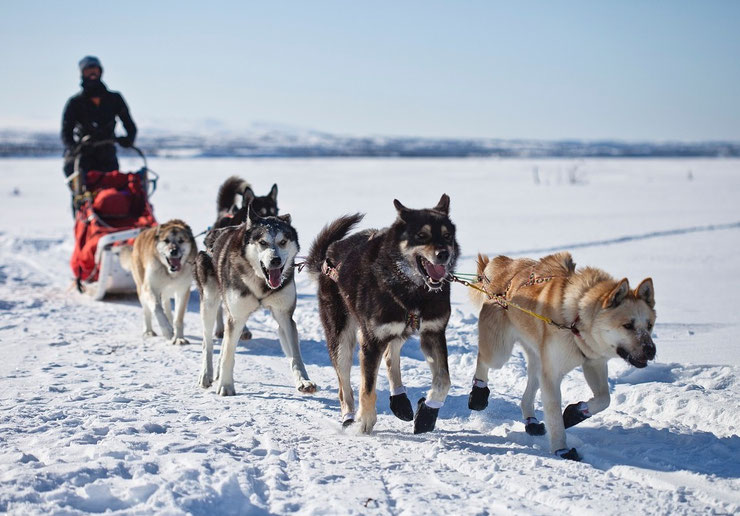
(264, 206)
(174, 244)
(427, 242)
(271, 245)
(624, 322)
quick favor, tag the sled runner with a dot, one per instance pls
(110, 208)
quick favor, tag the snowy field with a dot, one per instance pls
(95, 418)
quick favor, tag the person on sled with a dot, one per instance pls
(92, 112)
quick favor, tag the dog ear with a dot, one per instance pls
(273, 193)
(646, 292)
(252, 216)
(247, 197)
(285, 218)
(617, 294)
(443, 205)
(400, 208)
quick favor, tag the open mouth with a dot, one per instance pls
(175, 263)
(635, 361)
(274, 276)
(433, 274)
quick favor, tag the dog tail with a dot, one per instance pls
(337, 230)
(476, 296)
(124, 256)
(227, 193)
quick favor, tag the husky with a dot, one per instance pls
(382, 286)
(249, 266)
(229, 213)
(162, 262)
(599, 317)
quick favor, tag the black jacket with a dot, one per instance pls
(81, 118)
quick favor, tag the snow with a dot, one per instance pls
(96, 418)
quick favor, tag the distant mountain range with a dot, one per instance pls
(270, 141)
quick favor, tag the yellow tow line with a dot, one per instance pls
(504, 303)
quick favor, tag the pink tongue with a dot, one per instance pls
(174, 263)
(275, 277)
(436, 272)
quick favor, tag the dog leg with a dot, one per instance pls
(167, 305)
(531, 425)
(345, 344)
(434, 347)
(228, 349)
(596, 374)
(219, 333)
(148, 330)
(370, 355)
(493, 352)
(400, 403)
(551, 401)
(153, 301)
(181, 304)
(288, 335)
(210, 304)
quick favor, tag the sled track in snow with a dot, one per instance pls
(621, 240)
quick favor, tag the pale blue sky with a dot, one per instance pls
(630, 70)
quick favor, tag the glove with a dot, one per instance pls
(124, 141)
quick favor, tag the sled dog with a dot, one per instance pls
(249, 266)
(602, 318)
(162, 262)
(230, 213)
(381, 286)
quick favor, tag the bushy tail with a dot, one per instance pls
(228, 191)
(476, 296)
(331, 233)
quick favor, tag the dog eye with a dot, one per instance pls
(180, 241)
(650, 326)
(422, 236)
(629, 326)
(263, 243)
(447, 237)
(283, 242)
(166, 240)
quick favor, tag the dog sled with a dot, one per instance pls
(110, 209)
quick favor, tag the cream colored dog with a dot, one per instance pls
(162, 262)
(602, 319)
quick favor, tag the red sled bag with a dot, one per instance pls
(116, 202)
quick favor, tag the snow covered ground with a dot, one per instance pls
(96, 418)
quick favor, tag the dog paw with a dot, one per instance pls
(205, 380)
(575, 413)
(149, 333)
(534, 427)
(426, 417)
(180, 341)
(226, 389)
(478, 399)
(366, 423)
(306, 386)
(246, 334)
(169, 335)
(401, 407)
(565, 453)
(219, 334)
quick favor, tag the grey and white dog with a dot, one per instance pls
(249, 266)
